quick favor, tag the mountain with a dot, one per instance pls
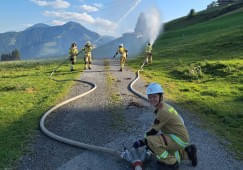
(42, 41)
(134, 42)
(40, 25)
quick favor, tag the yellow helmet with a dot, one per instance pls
(74, 44)
(88, 43)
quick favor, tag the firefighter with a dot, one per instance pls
(73, 52)
(87, 54)
(148, 54)
(123, 52)
(168, 138)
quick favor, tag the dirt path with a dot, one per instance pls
(95, 119)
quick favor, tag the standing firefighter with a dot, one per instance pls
(123, 52)
(87, 55)
(73, 52)
(148, 54)
(168, 138)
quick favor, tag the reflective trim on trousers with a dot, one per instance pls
(163, 155)
(177, 155)
(179, 141)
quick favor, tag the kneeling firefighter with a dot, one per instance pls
(87, 54)
(168, 138)
(73, 52)
(123, 52)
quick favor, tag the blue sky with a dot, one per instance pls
(107, 17)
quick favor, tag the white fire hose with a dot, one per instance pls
(135, 156)
(130, 156)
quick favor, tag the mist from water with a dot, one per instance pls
(148, 27)
(152, 25)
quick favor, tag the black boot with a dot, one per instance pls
(192, 154)
(163, 166)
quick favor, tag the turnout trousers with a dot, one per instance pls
(165, 149)
(87, 61)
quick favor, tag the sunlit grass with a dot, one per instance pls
(201, 69)
(26, 92)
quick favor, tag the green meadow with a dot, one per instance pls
(26, 92)
(200, 66)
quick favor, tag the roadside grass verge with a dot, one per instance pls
(201, 68)
(26, 92)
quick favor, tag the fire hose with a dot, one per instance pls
(133, 156)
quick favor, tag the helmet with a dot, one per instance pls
(88, 43)
(74, 44)
(154, 88)
(121, 45)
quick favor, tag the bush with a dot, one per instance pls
(217, 69)
(192, 72)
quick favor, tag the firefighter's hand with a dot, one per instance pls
(138, 144)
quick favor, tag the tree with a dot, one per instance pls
(225, 2)
(15, 55)
(213, 4)
(192, 13)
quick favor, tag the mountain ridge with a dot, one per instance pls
(44, 41)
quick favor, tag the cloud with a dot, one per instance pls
(54, 4)
(58, 22)
(83, 17)
(89, 8)
(106, 24)
(98, 5)
(101, 24)
(27, 25)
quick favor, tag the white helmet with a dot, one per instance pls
(154, 88)
(88, 43)
(121, 45)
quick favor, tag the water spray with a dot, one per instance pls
(129, 11)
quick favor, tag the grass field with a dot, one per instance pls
(26, 92)
(201, 69)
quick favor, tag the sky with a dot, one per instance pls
(106, 17)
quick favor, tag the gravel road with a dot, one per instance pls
(92, 120)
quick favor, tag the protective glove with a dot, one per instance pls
(138, 144)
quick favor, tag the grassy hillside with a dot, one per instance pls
(26, 92)
(203, 16)
(200, 66)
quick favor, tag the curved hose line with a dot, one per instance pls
(140, 94)
(58, 67)
(76, 143)
(69, 141)
(135, 91)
